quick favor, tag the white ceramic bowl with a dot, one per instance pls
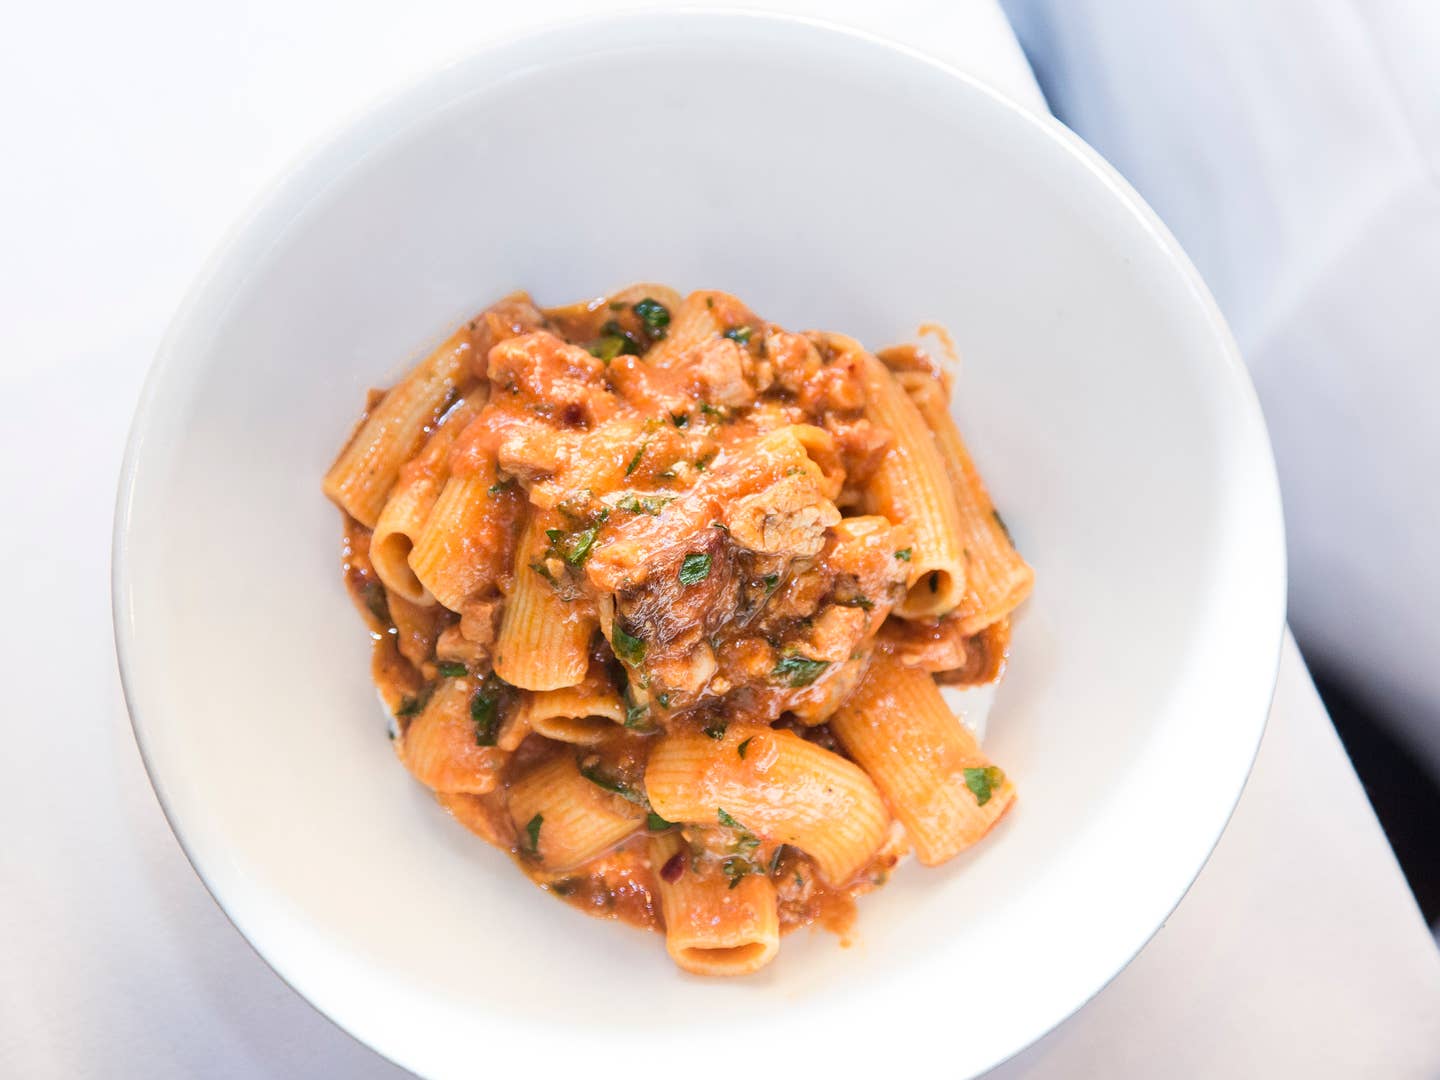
(831, 181)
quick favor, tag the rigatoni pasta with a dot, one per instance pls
(997, 579)
(367, 467)
(660, 595)
(544, 641)
(911, 486)
(783, 789)
(712, 928)
(934, 776)
(408, 506)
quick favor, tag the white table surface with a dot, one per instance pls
(133, 135)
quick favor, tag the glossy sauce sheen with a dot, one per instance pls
(662, 447)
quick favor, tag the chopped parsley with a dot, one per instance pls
(716, 730)
(744, 746)
(573, 547)
(452, 669)
(798, 671)
(635, 461)
(532, 831)
(772, 582)
(703, 461)
(501, 486)
(726, 820)
(655, 316)
(864, 603)
(739, 334)
(544, 571)
(591, 771)
(711, 410)
(904, 554)
(485, 710)
(627, 647)
(618, 305)
(695, 568)
(655, 823)
(637, 718)
(644, 504)
(664, 699)
(680, 419)
(608, 347)
(614, 341)
(984, 782)
(736, 868)
(409, 706)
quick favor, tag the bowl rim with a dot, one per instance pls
(327, 154)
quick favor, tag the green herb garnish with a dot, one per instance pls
(532, 830)
(452, 669)
(485, 710)
(573, 547)
(635, 461)
(655, 316)
(680, 419)
(644, 504)
(798, 671)
(409, 706)
(655, 823)
(664, 699)
(627, 647)
(716, 730)
(544, 571)
(739, 334)
(703, 461)
(857, 601)
(711, 410)
(984, 782)
(726, 820)
(904, 554)
(772, 582)
(637, 718)
(694, 568)
(744, 746)
(608, 348)
(593, 773)
(736, 868)
(501, 486)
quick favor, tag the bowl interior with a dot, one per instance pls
(831, 182)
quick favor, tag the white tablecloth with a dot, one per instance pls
(134, 134)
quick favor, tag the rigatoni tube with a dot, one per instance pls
(367, 468)
(713, 926)
(997, 579)
(783, 789)
(933, 774)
